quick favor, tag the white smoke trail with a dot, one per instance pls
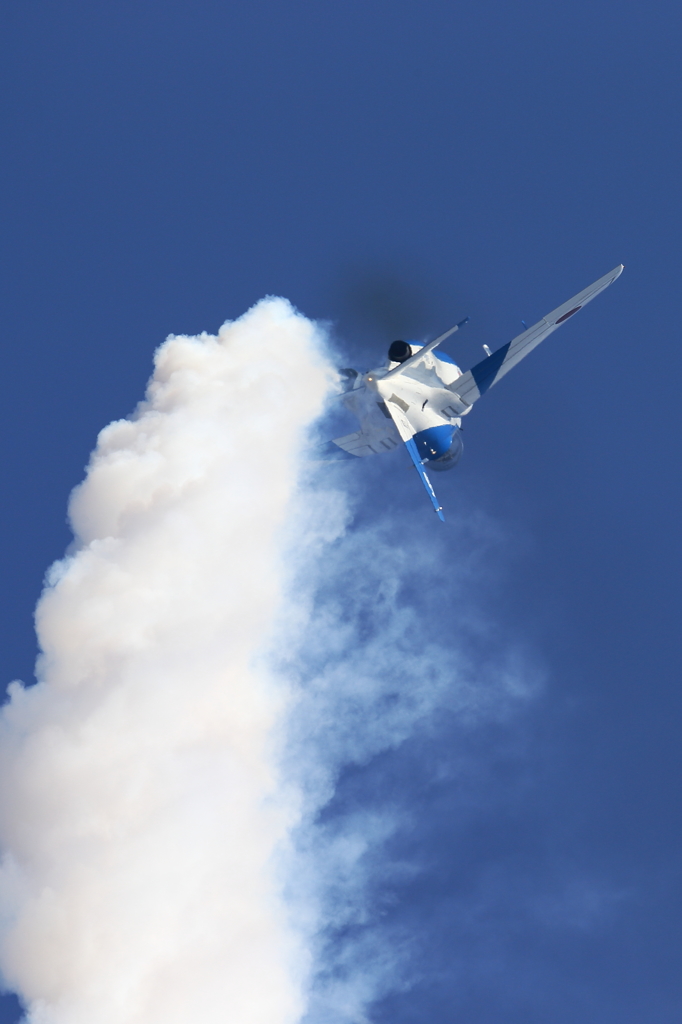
(215, 649)
(141, 807)
(381, 644)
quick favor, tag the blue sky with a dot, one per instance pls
(165, 166)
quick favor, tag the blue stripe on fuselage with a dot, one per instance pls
(434, 442)
(439, 354)
(484, 373)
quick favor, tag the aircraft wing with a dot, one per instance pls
(476, 381)
(406, 432)
(358, 445)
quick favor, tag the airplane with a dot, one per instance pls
(419, 397)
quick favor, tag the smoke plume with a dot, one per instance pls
(216, 648)
(142, 807)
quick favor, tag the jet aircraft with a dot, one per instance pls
(419, 397)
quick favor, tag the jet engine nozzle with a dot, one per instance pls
(399, 351)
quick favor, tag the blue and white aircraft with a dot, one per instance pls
(418, 398)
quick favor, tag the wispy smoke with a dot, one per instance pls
(216, 649)
(383, 644)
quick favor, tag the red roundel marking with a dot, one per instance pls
(566, 315)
